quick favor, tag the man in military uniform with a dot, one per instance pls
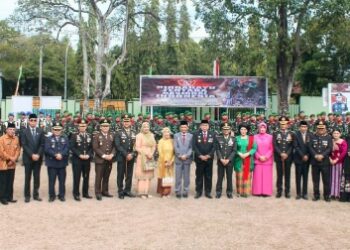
(320, 147)
(226, 149)
(340, 125)
(271, 124)
(32, 141)
(81, 147)
(9, 153)
(103, 146)
(204, 149)
(283, 149)
(126, 155)
(330, 123)
(56, 158)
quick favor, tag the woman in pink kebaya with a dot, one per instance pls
(262, 175)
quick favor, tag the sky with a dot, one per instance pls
(198, 31)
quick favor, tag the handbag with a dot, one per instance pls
(149, 165)
(167, 181)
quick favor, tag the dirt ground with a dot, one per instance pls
(252, 223)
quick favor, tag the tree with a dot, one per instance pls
(287, 20)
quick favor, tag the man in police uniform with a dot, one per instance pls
(56, 158)
(225, 150)
(126, 154)
(320, 147)
(204, 149)
(283, 149)
(81, 147)
(103, 146)
(339, 106)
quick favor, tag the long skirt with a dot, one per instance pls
(243, 186)
(262, 180)
(336, 179)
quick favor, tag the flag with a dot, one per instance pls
(216, 67)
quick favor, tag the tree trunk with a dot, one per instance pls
(98, 65)
(283, 84)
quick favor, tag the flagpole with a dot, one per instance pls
(19, 78)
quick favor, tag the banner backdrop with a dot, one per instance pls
(50, 102)
(339, 97)
(190, 91)
(22, 104)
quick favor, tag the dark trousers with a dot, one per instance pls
(228, 169)
(60, 173)
(204, 172)
(32, 168)
(324, 171)
(283, 171)
(103, 171)
(81, 168)
(7, 178)
(301, 175)
(124, 168)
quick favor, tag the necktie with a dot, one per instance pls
(205, 137)
(33, 133)
(183, 138)
(304, 139)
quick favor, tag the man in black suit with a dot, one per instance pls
(126, 154)
(302, 159)
(81, 147)
(204, 149)
(32, 140)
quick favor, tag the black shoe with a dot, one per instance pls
(52, 199)
(230, 196)
(4, 202)
(218, 195)
(37, 198)
(77, 198)
(62, 199)
(178, 196)
(287, 195)
(278, 195)
(305, 197)
(27, 199)
(99, 197)
(87, 196)
(12, 201)
(198, 195)
(129, 194)
(107, 195)
(327, 199)
(121, 196)
(185, 195)
(208, 196)
(316, 198)
(298, 197)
